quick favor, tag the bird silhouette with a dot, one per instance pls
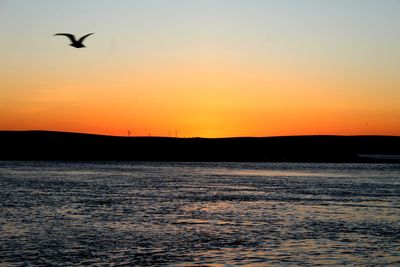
(75, 43)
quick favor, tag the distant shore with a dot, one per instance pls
(63, 146)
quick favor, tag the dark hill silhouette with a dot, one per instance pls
(44, 145)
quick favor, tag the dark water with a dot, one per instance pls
(199, 214)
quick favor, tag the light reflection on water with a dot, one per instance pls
(196, 214)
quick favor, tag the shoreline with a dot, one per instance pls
(63, 146)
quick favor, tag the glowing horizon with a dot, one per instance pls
(202, 68)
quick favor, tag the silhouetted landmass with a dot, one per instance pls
(61, 146)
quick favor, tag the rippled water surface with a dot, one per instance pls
(199, 214)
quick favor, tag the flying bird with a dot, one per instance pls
(75, 43)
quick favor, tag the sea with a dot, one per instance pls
(199, 214)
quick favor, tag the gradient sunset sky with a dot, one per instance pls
(209, 68)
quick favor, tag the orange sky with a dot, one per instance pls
(225, 73)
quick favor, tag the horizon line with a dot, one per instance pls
(193, 137)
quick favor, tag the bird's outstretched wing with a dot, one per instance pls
(70, 36)
(84, 37)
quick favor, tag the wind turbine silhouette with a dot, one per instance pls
(74, 42)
